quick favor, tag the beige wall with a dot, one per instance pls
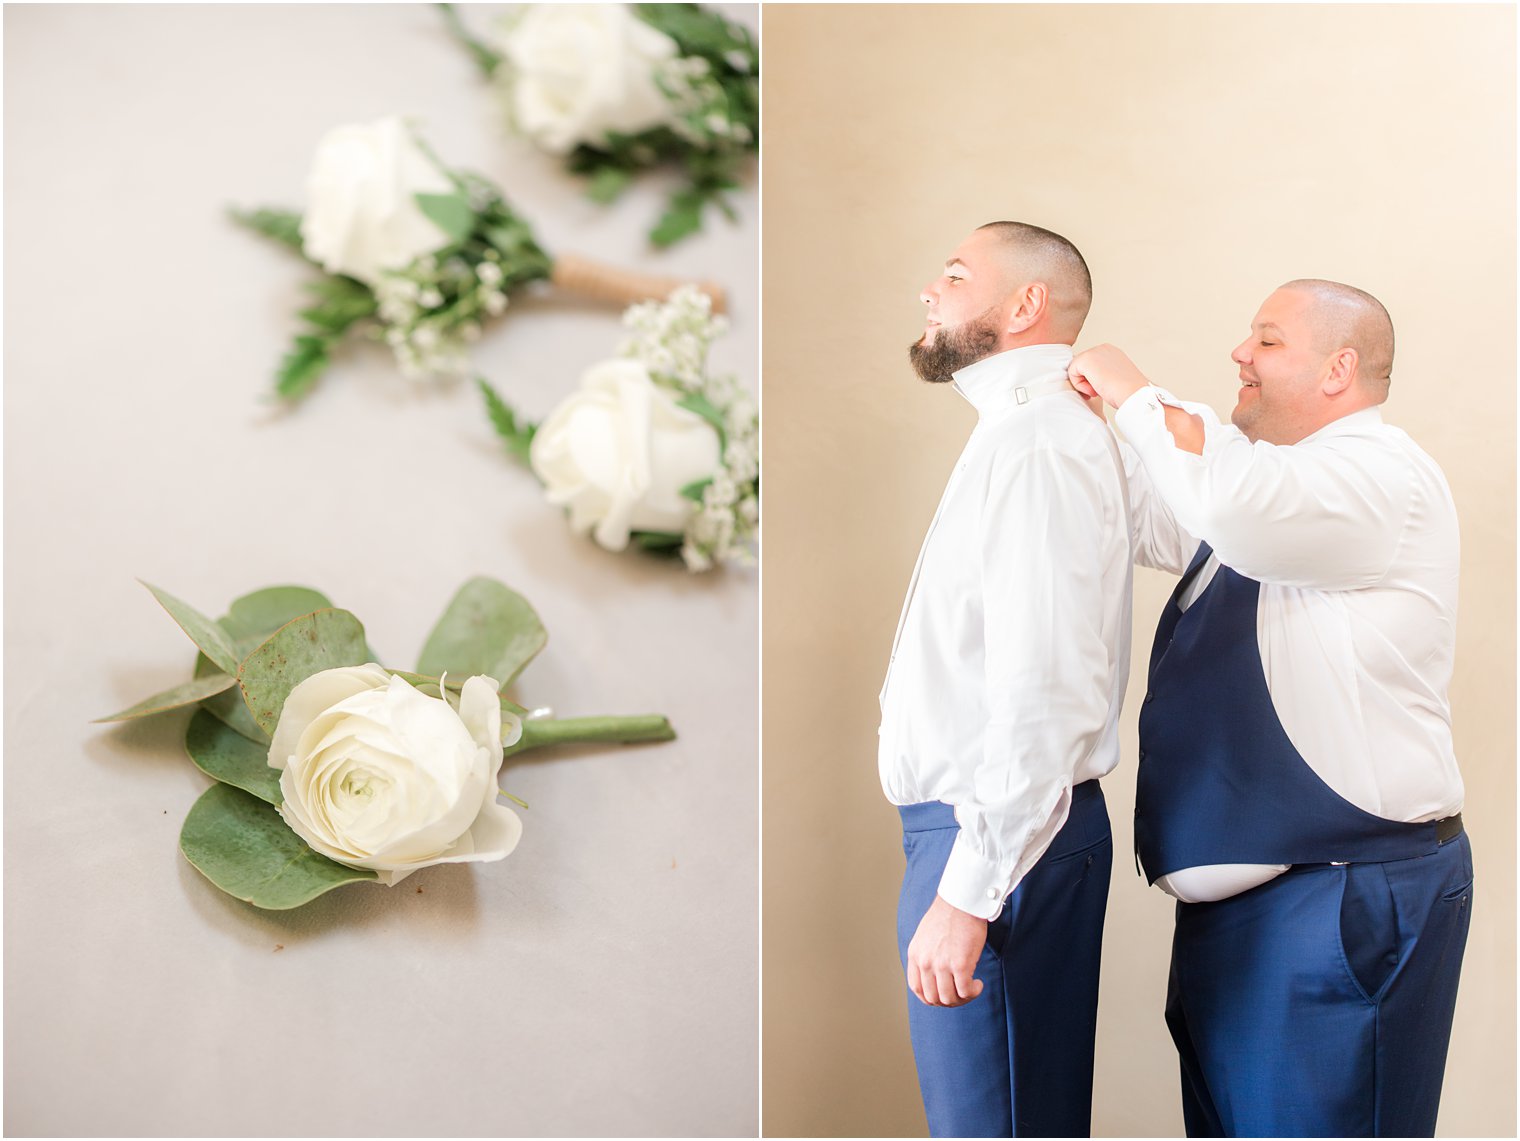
(1199, 156)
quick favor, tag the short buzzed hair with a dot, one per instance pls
(1055, 260)
(1349, 317)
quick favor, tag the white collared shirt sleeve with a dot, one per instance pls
(1321, 514)
(1047, 666)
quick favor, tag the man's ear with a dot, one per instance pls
(1030, 304)
(1339, 371)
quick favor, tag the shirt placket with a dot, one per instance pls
(944, 501)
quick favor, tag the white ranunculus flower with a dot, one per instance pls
(577, 71)
(618, 452)
(361, 214)
(376, 774)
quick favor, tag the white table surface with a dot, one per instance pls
(602, 979)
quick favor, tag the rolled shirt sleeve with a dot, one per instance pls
(1325, 513)
(1047, 668)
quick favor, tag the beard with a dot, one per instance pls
(955, 347)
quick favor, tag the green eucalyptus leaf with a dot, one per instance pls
(261, 613)
(249, 621)
(487, 629)
(241, 845)
(187, 694)
(223, 753)
(203, 632)
(232, 711)
(310, 644)
(451, 213)
(693, 491)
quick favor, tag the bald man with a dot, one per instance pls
(1297, 789)
(1001, 703)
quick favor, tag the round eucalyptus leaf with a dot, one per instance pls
(241, 845)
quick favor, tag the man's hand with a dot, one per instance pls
(1105, 372)
(943, 955)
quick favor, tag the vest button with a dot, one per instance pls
(1149, 696)
(1142, 754)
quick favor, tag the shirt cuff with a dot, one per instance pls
(973, 883)
(1144, 411)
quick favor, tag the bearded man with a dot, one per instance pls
(1297, 789)
(1001, 704)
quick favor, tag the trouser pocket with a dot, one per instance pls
(1369, 928)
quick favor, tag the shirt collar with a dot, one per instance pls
(990, 384)
(1348, 425)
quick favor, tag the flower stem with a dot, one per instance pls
(622, 730)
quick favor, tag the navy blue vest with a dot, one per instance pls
(1218, 780)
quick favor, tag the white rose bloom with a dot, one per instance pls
(376, 774)
(361, 212)
(618, 452)
(577, 71)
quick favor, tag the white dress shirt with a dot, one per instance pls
(1012, 652)
(1352, 534)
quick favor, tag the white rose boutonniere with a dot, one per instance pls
(581, 72)
(618, 453)
(652, 448)
(362, 216)
(420, 255)
(375, 774)
(331, 769)
(617, 89)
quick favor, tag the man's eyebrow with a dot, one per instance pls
(955, 262)
(1270, 325)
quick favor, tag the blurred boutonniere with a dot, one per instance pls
(418, 253)
(332, 769)
(653, 448)
(617, 89)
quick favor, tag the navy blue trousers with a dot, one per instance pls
(1320, 1003)
(1017, 1060)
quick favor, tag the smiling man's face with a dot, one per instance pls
(1281, 368)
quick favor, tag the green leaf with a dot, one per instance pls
(241, 845)
(203, 632)
(261, 613)
(303, 365)
(681, 219)
(451, 213)
(607, 183)
(705, 408)
(308, 645)
(249, 621)
(187, 694)
(693, 491)
(283, 226)
(223, 753)
(344, 301)
(516, 434)
(487, 629)
(659, 540)
(486, 58)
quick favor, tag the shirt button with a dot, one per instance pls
(992, 893)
